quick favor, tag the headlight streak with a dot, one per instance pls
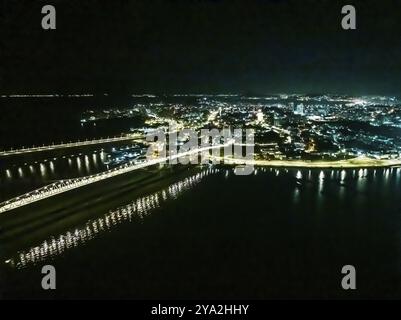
(140, 208)
(62, 186)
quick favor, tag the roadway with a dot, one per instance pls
(62, 186)
(70, 145)
(359, 162)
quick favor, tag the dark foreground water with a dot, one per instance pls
(206, 233)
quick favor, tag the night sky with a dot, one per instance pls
(257, 47)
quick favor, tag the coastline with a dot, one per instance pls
(354, 163)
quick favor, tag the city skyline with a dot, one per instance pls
(200, 149)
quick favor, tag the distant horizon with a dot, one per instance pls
(247, 47)
(133, 94)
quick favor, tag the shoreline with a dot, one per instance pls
(354, 163)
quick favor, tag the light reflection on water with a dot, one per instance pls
(139, 208)
(55, 167)
(343, 182)
(17, 179)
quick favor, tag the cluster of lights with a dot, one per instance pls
(70, 144)
(139, 208)
(62, 186)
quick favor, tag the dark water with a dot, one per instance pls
(34, 173)
(25, 122)
(187, 232)
(206, 233)
(19, 175)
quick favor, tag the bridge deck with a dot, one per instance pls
(68, 145)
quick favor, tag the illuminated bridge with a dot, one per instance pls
(62, 186)
(70, 145)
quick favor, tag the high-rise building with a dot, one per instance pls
(300, 109)
(260, 116)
